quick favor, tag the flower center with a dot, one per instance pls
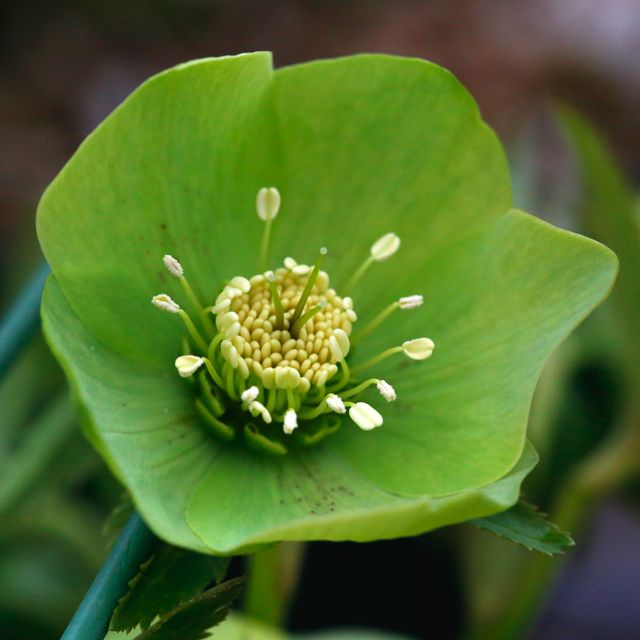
(276, 353)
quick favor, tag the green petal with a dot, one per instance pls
(311, 495)
(496, 306)
(142, 421)
(174, 169)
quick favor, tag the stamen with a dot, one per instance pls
(188, 365)
(250, 394)
(290, 422)
(295, 330)
(223, 431)
(257, 408)
(213, 372)
(364, 415)
(386, 390)
(335, 403)
(339, 344)
(381, 249)
(417, 349)
(165, 303)
(275, 298)
(410, 302)
(406, 303)
(307, 289)
(267, 206)
(175, 269)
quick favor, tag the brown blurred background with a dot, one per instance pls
(65, 65)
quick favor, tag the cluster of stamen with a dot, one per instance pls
(274, 347)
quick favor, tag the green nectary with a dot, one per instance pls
(358, 147)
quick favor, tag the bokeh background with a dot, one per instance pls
(65, 65)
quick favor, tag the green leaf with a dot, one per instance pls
(609, 207)
(525, 525)
(171, 577)
(192, 620)
(358, 147)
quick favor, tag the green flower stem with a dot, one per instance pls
(273, 576)
(277, 304)
(360, 388)
(346, 375)
(375, 360)
(375, 323)
(355, 278)
(307, 288)
(132, 548)
(204, 316)
(22, 319)
(211, 351)
(314, 413)
(264, 245)
(607, 469)
(213, 373)
(193, 332)
(43, 440)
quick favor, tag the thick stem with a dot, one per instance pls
(273, 577)
(132, 548)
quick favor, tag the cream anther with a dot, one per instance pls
(229, 353)
(290, 421)
(419, 348)
(173, 266)
(365, 416)
(335, 403)
(339, 345)
(385, 247)
(250, 394)
(268, 203)
(188, 365)
(165, 303)
(256, 408)
(410, 302)
(386, 390)
(240, 283)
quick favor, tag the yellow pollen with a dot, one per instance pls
(293, 354)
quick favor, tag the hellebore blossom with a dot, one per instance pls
(300, 233)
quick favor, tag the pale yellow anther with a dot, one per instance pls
(269, 378)
(188, 365)
(419, 348)
(257, 408)
(336, 404)
(268, 203)
(290, 421)
(289, 263)
(365, 416)
(229, 353)
(386, 390)
(339, 345)
(385, 247)
(165, 303)
(241, 284)
(173, 266)
(410, 302)
(250, 394)
(221, 305)
(287, 377)
(301, 269)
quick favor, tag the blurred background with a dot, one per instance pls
(65, 65)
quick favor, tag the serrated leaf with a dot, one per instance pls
(171, 577)
(525, 525)
(192, 620)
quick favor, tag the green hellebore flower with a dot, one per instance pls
(384, 161)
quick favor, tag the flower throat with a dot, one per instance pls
(270, 355)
